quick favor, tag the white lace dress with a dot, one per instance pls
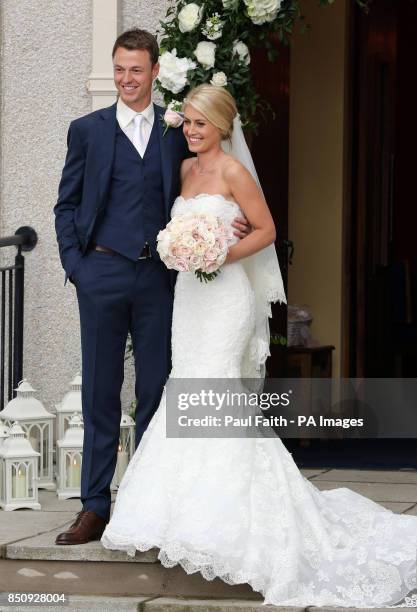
(239, 508)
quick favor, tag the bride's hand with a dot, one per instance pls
(242, 226)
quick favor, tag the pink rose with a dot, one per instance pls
(181, 264)
(221, 243)
(184, 251)
(210, 255)
(173, 119)
(195, 261)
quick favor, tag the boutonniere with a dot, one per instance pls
(173, 116)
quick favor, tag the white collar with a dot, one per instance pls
(125, 114)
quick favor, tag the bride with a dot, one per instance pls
(239, 508)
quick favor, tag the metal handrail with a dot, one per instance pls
(25, 237)
(12, 287)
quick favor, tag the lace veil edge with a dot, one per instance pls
(263, 271)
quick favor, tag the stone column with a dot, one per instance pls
(106, 27)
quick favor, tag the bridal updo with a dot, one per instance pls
(216, 104)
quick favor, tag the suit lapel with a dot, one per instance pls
(166, 158)
(105, 144)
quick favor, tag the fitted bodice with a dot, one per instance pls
(222, 311)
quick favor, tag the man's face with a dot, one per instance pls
(133, 76)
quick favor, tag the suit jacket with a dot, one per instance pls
(86, 176)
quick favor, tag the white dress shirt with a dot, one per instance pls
(125, 118)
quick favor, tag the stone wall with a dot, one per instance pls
(141, 14)
(45, 64)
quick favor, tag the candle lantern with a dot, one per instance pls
(71, 403)
(19, 469)
(70, 451)
(37, 423)
(125, 449)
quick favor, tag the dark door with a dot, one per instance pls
(270, 152)
(383, 216)
(381, 249)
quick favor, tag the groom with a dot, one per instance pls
(121, 176)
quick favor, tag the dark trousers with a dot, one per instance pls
(117, 296)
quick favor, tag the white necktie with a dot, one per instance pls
(138, 139)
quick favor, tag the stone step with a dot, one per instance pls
(113, 580)
(21, 525)
(167, 604)
(171, 604)
(42, 547)
(76, 603)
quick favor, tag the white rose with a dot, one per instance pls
(262, 11)
(205, 53)
(210, 239)
(189, 17)
(213, 28)
(240, 49)
(173, 71)
(199, 248)
(219, 79)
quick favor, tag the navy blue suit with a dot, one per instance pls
(111, 196)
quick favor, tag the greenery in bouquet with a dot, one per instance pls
(210, 41)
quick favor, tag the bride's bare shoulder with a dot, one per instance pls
(233, 169)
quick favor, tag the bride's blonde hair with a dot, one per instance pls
(216, 104)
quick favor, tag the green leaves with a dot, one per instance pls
(206, 276)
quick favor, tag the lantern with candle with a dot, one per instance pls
(70, 451)
(37, 423)
(125, 449)
(19, 469)
(70, 404)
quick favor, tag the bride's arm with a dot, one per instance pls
(247, 194)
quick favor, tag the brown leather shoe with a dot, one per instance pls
(88, 526)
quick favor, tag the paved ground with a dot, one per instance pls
(97, 579)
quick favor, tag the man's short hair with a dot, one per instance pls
(138, 39)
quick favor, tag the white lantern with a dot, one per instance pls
(71, 403)
(70, 451)
(125, 450)
(4, 432)
(19, 468)
(37, 423)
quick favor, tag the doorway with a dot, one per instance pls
(380, 283)
(382, 302)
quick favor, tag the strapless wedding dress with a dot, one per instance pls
(239, 508)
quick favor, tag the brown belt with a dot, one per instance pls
(102, 249)
(145, 254)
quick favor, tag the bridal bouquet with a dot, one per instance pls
(195, 243)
